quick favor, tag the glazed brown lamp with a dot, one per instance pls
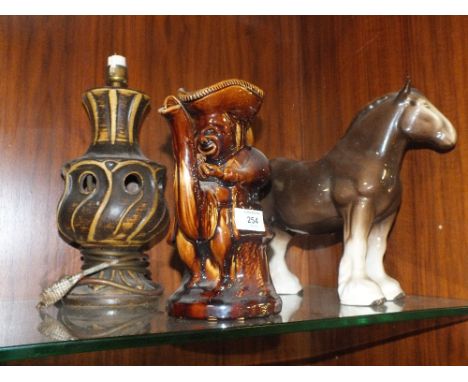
(218, 228)
(113, 206)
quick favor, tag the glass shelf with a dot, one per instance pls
(28, 333)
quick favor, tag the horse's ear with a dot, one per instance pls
(404, 92)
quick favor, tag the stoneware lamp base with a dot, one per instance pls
(127, 283)
(113, 207)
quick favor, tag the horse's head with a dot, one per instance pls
(422, 122)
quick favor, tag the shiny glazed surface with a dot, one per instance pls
(216, 171)
(113, 204)
(355, 188)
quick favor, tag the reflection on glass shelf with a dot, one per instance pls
(26, 332)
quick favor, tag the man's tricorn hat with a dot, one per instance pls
(236, 97)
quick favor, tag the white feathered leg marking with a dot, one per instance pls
(377, 245)
(284, 280)
(354, 286)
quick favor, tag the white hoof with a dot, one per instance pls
(286, 283)
(361, 292)
(390, 288)
(291, 304)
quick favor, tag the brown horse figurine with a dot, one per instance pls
(355, 187)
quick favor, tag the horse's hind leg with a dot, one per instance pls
(284, 281)
(376, 247)
(354, 287)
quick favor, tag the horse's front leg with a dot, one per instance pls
(284, 281)
(354, 286)
(376, 247)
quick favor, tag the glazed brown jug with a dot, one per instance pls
(218, 227)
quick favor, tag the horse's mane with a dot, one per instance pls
(371, 106)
